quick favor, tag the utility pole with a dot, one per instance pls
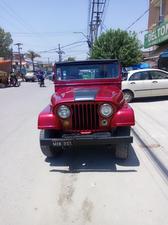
(95, 19)
(11, 57)
(20, 60)
(60, 52)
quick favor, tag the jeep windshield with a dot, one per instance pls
(75, 71)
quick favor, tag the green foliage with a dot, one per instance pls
(32, 55)
(71, 59)
(5, 42)
(118, 44)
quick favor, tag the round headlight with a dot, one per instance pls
(64, 112)
(106, 110)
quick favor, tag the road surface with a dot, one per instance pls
(85, 186)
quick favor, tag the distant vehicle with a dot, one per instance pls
(145, 83)
(5, 69)
(30, 76)
(13, 81)
(3, 79)
(163, 60)
(8, 80)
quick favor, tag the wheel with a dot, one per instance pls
(128, 96)
(122, 150)
(17, 84)
(49, 151)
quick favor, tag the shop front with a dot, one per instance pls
(157, 41)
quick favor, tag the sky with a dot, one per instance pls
(41, 25)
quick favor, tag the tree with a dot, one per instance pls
(118, 44)
(70, 59)
(5, 42)
(32, 55)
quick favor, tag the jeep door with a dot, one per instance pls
(159, 83)
(140, 83)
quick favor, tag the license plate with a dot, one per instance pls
(62, 143)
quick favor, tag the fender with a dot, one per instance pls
(123, 117)
(47, 120)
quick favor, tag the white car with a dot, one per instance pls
(30, 76)
(145, 83)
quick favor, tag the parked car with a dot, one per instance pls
(86, 110)
(30, 76)
(145, 83)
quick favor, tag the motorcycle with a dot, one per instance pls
(14, 82)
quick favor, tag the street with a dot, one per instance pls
(83, 186)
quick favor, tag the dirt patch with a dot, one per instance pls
(87, 208)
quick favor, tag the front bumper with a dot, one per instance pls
(81, 140)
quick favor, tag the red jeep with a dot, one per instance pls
(87, 108)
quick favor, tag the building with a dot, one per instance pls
(16, 58)
(156, 40)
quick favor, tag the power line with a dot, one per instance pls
(69, 49)
(18, 16)
(19, 19)
(9, 22)
(43, 32)
(13, 14)
(19, 48)
(140, 17)
(54, 49)
(74, 43)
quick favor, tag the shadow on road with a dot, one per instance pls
(150, 99)
(92, 160)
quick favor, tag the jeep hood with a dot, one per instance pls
(102, 93)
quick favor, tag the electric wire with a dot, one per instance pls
(13, 15)
(54, 49)
(141, 16)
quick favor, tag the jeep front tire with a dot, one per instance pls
(122, 150)
(47, 150)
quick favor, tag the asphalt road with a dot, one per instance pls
(85, 186)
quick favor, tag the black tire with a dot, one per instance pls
(17, 84)
(128, 96)
(122, 150)
(49, 151)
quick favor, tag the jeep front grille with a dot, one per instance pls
(85, 116)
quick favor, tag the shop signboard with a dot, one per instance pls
(158, 35)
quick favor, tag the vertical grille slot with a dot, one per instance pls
(85, 116)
